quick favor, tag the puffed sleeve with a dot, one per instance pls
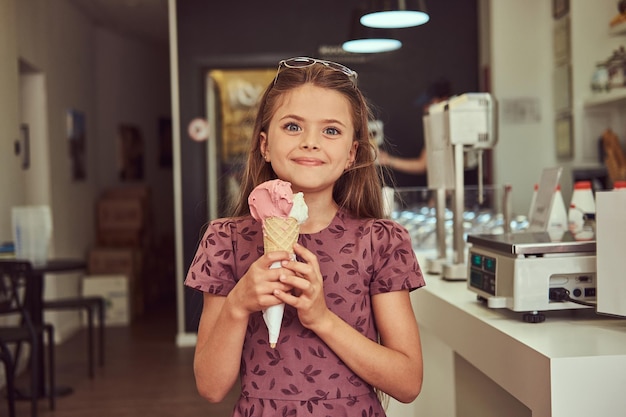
(212, 268)
(395, 265)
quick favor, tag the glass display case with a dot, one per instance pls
(414, 208)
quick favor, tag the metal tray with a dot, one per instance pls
(532, 243)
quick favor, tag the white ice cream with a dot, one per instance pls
(299, 210)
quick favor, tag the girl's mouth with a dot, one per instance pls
(308, 161)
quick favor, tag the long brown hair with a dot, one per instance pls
(358, 190)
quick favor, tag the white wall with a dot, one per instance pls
(33, 114)
(522, 66)
(11, 187)
(69, 63)
(132, 86)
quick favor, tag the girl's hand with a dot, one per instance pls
(255, 290)
(308, 288)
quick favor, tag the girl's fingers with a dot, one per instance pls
(299, 269)
(295, 282)
(286, 297)
(307, 268)
(304, 253)
(256, 288)
(269, 258)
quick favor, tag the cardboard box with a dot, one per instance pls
(115, 290)
(117, 213)
(126, 191)
(127, 262)
(106, 260)
(123, 238)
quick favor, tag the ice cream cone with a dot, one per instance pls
(281, 212)
(278, 234)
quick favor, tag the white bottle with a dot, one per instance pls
(582, 202)
(619, 185)
(558, 221)
(533, 200)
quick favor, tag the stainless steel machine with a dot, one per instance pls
(530, 273)
(470, 121)
(440, 176)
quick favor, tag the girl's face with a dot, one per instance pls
(310, 140)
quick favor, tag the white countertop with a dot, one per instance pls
(565, 333)
(547, 366)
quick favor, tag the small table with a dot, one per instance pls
(35, 303)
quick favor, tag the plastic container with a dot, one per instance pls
(558, 220)
(32, 230)
(582, 202)
(533, 200)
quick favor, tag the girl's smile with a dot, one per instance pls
(308, 161)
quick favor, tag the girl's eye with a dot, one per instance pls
(292, 127)
(332, 131)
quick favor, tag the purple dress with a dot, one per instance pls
(358, 258)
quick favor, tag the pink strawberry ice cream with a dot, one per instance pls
(272, 198)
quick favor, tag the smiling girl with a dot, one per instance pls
(349, 331)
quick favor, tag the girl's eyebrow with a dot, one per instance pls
(301, 119)
(333, 121)
(292, 116)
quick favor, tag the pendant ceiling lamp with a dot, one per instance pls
(366, 40)
(371, 45)
(395, 14)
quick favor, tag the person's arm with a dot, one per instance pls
(223, 324)
(393, 366)
(220, 335)
(407, 165)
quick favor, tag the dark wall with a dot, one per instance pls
(249, 33)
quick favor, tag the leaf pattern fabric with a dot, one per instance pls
(359, 258)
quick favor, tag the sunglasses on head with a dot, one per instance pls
(304, 62)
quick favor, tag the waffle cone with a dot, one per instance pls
(280, 234)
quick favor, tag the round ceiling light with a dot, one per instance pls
(371, 45)
(394, 14)
(394, 19)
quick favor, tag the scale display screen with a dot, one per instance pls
(477, 260)
(483, 273)
(489, 264)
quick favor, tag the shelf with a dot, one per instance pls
(612, 97)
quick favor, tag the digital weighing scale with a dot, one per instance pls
(529, 272)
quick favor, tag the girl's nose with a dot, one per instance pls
(309, 140)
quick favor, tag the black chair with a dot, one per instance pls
(92, 305)
(18, 328)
